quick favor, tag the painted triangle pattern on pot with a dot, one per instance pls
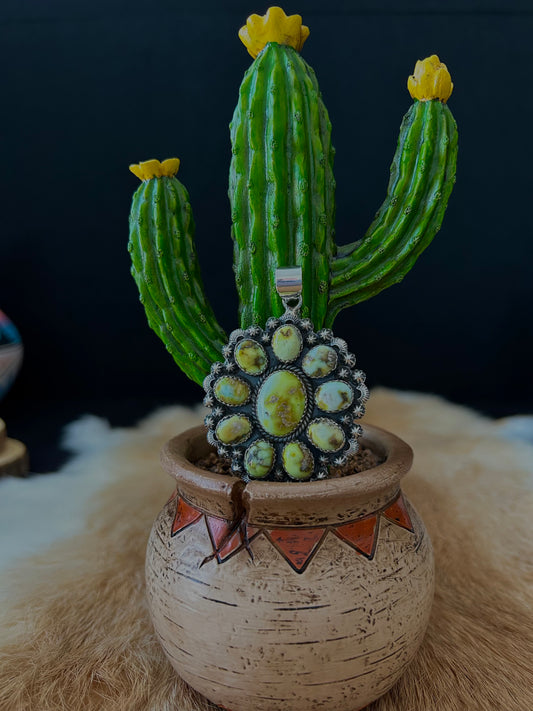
(184, 517)
(361, 535)
(226, 537)
(397, 513)
(252, 531)
(297, 545)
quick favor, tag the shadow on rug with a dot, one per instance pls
(75, 630)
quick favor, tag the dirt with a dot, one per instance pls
(364, 459)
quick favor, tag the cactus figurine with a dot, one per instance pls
(317, 581)
(282, 195)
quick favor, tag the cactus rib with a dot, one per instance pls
(165, 268)
(422, 177)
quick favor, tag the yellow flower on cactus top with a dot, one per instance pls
(275, 26)
(154, 169)
(431, 80)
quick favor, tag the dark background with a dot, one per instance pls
(91, 86)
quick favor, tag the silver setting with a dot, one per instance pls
(289, 282)
(340, 343)
(236, 335)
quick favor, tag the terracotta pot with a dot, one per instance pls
(290, 596)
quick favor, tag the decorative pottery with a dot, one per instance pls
(289, 596)
(11, 352)
(13, 454)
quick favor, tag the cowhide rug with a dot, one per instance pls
(75, 633)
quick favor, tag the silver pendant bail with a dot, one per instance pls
(289, 287)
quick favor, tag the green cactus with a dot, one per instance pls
(281, 185)
(165, 268)
(281, 191)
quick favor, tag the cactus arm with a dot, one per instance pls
(165, 268)
(281, 185)
(422, 178)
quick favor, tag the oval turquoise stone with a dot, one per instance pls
(251, 356)
(326, 435)
(319, 361)
(287, 343)
(281, 403)
(233, 429)
(298, 461)
(334, 396)
(259, 459)
(231, 391)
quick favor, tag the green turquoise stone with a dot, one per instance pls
(233, 429)
(281, 403)
(319, 361)
(326, 435)
(259, 459)
(287, 343)
(334, 396)
(251, 356)
(298, 461)
(231, 391)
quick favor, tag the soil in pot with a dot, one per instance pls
(361, 461)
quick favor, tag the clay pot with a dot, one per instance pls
(289, 596)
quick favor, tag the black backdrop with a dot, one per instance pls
(89, 87)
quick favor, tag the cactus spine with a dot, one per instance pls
(281, 191)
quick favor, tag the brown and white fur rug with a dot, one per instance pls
(75, 633)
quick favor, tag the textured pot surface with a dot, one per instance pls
(290, 596)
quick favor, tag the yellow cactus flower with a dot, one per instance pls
(274, 26)
(154, 169)
(431, 80)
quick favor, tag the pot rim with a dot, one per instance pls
(312, 503)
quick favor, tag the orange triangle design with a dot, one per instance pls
(185, 516)
(298, 545)
(230, 546)
(219, 529)
(361, 535)
(397, 513)
(251, 531)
